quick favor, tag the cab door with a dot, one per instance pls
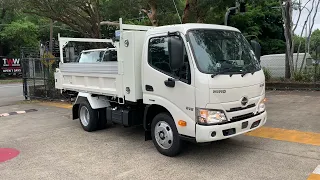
(170, 88)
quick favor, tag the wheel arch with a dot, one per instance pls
(177, 113)
(150, 112)
(96, 102)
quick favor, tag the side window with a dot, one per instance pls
(159, 59)
(110, 56)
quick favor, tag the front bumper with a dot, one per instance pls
(218, 132)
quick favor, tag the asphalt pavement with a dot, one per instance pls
(10, 94)
(52, 146)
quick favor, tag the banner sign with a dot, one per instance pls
(10, 65)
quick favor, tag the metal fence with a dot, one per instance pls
(306, 73)
(38, 78)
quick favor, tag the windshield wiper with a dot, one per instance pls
(223, 71)
(246, 71)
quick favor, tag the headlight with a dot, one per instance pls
(262, 106)
(210, 117)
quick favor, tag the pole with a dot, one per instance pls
(51, 37)
(227, 15)
(310, 30)
(109, 23)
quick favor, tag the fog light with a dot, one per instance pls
(245, 125)
(229, 132)
(255, 124)
(213, 134)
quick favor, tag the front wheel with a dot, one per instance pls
(165, 135)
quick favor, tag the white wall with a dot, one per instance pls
(276, 63)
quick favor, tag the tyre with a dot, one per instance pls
(165, 135)
(88, 117)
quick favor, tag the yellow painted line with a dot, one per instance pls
(57, 104)
(287, 135)
(315, 175)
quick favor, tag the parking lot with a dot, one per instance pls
(52, 146)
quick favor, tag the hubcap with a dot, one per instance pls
(163, 135)
(84, 116)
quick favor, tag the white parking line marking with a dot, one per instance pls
(315, 175)
(317, 170)
(21, 112)
(17, 112)
(4, 114)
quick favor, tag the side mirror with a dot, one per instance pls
(256, 48)
(175, 47)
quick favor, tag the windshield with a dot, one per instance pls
(91, 57)
(222, 51)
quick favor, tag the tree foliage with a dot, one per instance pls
(299, 41)
(81, 15)
(81, 18)
(315, 39)
(264, 22)
(19, 33)
(315, 43)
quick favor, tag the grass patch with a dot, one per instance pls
(29, 102)
(10, 81)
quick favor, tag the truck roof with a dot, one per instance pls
(185, 27)
(104, 49)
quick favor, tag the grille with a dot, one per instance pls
(242, 117)
(241, 108)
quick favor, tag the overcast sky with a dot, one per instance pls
(304, 16)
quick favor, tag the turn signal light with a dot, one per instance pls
(182, 123)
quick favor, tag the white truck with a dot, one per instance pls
(194, 82)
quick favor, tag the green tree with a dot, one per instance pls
(206, 11)
(315, 43)
(81, 15)
(7, 15)
(146, 12)
(19, 33)
(264, 22)
(299, 41)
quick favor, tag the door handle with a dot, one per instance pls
(170, 82)
(149, 88)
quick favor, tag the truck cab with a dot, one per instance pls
(208, 77)
(195, 82)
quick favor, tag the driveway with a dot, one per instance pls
(10, 93)
(52, 146)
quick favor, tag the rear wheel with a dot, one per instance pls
(165, 135)
(88, 117)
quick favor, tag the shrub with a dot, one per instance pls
(2, 76)
(267, 74)
(304, 76)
